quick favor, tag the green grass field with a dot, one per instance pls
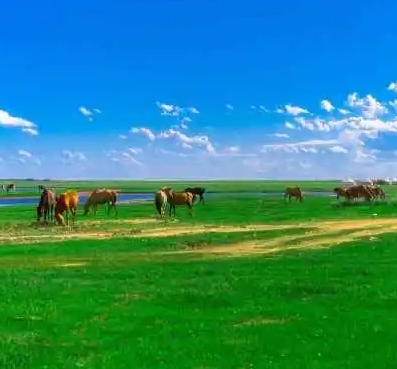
(29, 187)
(245, 283)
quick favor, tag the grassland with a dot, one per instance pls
(29, 187)
(245, 283)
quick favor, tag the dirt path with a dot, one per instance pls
(318, 235)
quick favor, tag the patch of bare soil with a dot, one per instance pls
(323, 237)
(71, 265)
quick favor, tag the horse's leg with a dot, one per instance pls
(189, 205)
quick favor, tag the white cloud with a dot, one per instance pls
(260, 108)
(327, 106)
(70, 157)
(281, 135)
(125, 157)
(175, 110)
(338, 149)
(27, 157)
(200, 141)
(343, 111)
(289, 125)
(123, 137)
(229, 107)
(295, 110)
(144, 131)
(88, 113)
(135, 151)
(9, 121)
(392, 87)
(30, 131)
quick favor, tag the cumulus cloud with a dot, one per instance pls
(293, 110)
(144, 131)
(326, 105)
(9, 121)
(198, 140)
(175, 110)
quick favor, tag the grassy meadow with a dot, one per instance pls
(29, 188)
(245, 283)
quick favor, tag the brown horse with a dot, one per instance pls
(99, 197)
(179, 198)
(66, 203)
(376, 192)
(359, 191)
(46, 205)
(199, 191)
(293, 192)
(160, 201)
(341, 192)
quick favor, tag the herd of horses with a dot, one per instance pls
(349, 193)
(63, 207)
(60, 208)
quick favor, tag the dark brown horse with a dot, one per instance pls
(41, 188)
(46, 206)
(198, 191)
(10, 187)
(293, 192)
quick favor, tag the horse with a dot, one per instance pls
(376, 192)
(199, 191)
(41, 188)
(341, 192)
(66, 202)
(293, 192)
(161, 201)
(99, 197)
(179, 198)
(10, 187)
(355, 192)
(46, 205)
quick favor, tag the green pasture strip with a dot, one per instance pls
(152, 186)
(231, 211)
(308, 309)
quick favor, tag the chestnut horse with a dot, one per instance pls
(99, 197)
(179, 198)
(66, 203)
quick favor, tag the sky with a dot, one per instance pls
(198, 89)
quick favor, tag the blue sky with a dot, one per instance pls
(198, 89)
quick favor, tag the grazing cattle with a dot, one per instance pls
(179, 198)
(99, 197)
(160, 201)
(199, 191)
(46, 206)
(293, 192)
(66, 203)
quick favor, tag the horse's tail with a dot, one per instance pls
(158, 201)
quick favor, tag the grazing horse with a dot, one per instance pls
(376, 192)
(359, 191)
(99, 197)
(160, 201)
(10, 187)
(293, 192)
(179, 198)
(199, 191)
(66, 202)
(46, 205)
(341, 192)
